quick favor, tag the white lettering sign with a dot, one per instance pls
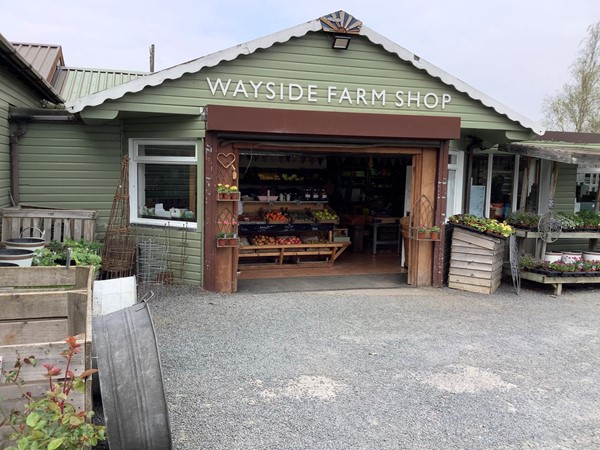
(333, 95)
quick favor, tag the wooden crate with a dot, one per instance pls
(475, 262)
(57, 224)
(41, 307)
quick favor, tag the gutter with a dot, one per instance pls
(15, 192)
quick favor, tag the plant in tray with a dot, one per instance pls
(51, 421)
(570, 221)
(82, 253)
(522, 219)
(528, 262)
(483, 225)
(591, 219)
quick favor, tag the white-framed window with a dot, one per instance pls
(454, 191)
(163, 182)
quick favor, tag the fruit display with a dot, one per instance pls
(288, 240)
(301, 217)
(326, 216)
(251, 219)
(268, 176)
(262, 239)
(276, 216)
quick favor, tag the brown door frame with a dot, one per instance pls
(252, 124)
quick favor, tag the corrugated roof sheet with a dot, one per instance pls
(45, 58)
(73, 83)
(315, 25)
(571, 148)
(30, 74)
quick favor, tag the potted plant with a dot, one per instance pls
(422, 232)
(232, 239)
(434, 233)
(221, 239)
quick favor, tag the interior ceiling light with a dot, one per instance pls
(341, 41)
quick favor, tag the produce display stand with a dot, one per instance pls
(290, 255)
(41, 307)
(293, 254)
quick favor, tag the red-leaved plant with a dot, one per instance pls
(51, 421)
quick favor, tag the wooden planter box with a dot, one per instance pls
(475, 262)
(41, 307)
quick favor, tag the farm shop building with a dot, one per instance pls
(361, 135)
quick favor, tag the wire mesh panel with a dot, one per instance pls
(152, 262)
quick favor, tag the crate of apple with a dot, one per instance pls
(276, 217)
(326, 216)
(261, 239)
(288, 240)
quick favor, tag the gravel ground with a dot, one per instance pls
(392, 368)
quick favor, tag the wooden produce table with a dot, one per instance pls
(557, 282)
(330, 251)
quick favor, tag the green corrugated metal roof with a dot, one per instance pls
(73, 83)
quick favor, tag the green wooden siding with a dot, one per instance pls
(184, 255)
(4, 156)
(564, 197)
(74, 166)
(310, 60)
(13, 92)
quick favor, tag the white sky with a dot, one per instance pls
(515, 51)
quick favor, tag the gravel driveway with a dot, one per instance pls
(386, 369)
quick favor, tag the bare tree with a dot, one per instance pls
(577, 107)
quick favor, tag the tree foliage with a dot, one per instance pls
(577, 106)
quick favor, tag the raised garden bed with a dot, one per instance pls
(41, 307)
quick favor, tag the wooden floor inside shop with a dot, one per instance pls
(347, 264)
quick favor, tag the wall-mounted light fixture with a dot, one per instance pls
(342, 26)
(341, 41)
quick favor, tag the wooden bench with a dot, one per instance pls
(56, 224)
(330, 251)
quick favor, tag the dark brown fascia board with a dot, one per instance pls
(328, 123)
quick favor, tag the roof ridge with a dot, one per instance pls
(250, 47)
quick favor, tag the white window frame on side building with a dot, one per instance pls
(137, 178)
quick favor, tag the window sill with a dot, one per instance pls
(170, 223)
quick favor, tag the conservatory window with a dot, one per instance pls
(163, 181)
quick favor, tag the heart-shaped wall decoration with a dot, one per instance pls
(226, 159)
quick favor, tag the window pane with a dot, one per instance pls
(166, 186)
(188, 151)
(502, 182)
(478, 185)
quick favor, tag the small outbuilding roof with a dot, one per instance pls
(315, 25)
(27, 71)
(45, 58)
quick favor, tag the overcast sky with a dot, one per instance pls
(515, 51)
